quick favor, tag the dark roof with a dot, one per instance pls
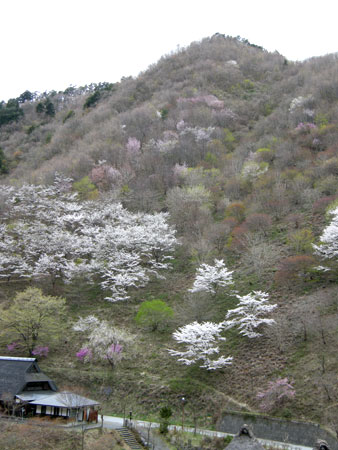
(245, 440)
(244, 443)
(15, 373)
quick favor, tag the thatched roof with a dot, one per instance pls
(321, 445)
(245, 440)
(15, 373)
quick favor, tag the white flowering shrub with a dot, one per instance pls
(252, 170)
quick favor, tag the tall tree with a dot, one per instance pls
(32, 318)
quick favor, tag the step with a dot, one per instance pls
(129, 438)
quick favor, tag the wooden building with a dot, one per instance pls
(26, 391)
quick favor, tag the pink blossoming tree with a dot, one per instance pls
(277, 393)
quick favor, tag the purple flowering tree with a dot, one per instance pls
(84, 354)
(41, 351)
(305, 127)
(13, 346)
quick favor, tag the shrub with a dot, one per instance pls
(301, 241)
(29, 130)
(252, 170)
(330, 167)
(330, 208)
(321, 204)
(165, 414)
(295, 220)
(85, 189)
(69, 115)
(154, 315)
(49, 108)
(236, 188)
(46, 107)
(41, 351)
(258, 223)
(327, 185)
(239, 238)
(92, 99)
(3, 162)
(236, 210)
(265, 155)
(294, 269)
(230, 223)
(189, 207)
(40, 108)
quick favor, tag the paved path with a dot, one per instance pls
(117, 422)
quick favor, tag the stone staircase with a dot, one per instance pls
(129, 438)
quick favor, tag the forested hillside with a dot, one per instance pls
(205, 184)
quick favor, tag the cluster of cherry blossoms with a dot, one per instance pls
(328, 248)
(46, 231)
(39, 350)
(211, 278)
(201, 340)
(276, 394)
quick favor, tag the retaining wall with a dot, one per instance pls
(294, 432)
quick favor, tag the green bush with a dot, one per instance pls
(49, 108)
(29, 130)
(69, 115)
(165, 413)
(301, 241)
(92, 99)
(227, 440)
(265, 154)
(3, 162)
(46, 107)
(154, 315)
(86, 189)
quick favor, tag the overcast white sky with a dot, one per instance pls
(51, 44)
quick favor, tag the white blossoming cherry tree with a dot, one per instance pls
(328, 247)
(249, 315)
(211, 278)
(200, 341)
(48, 233)
(104, 342)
